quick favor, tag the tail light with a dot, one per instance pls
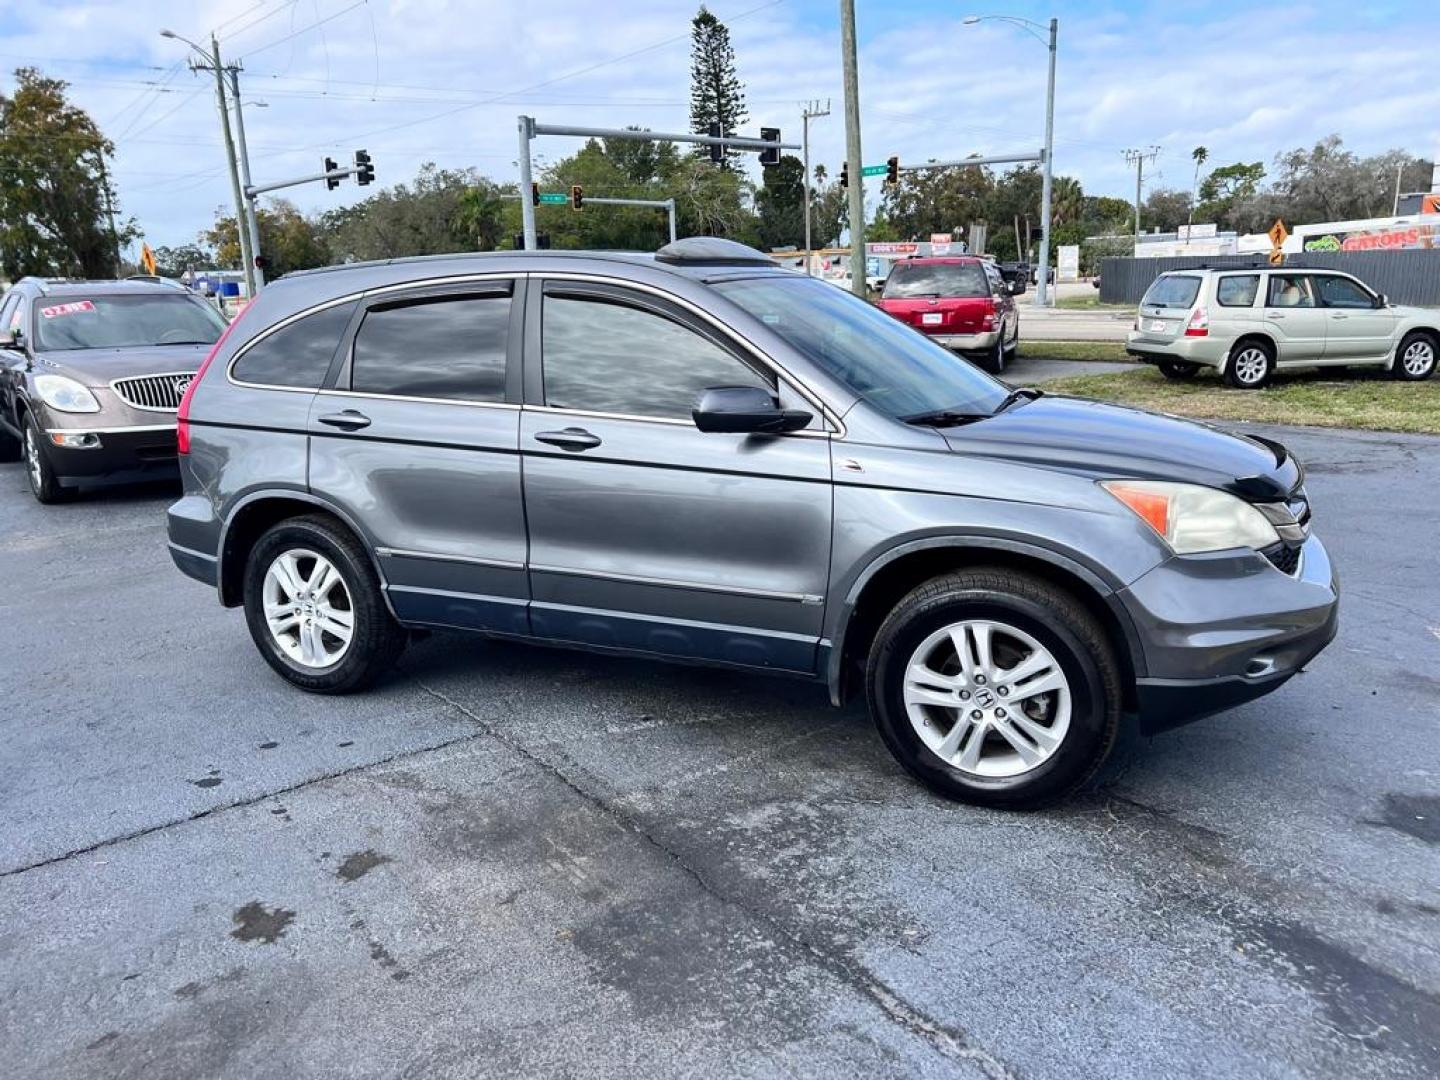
(987, 321)
(1199, 324)
(182, 414)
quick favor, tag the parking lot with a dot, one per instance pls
(510, 859)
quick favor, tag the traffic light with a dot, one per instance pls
(331, 182)
(577, 197)
(770, 156)
(845, 174)
(542, 241)
(717, 152)
(364, 171)
(262, 262)
(1037, 234)
(892, 171)
(534, 194)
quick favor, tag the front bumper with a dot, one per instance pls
(111, 455)
(1221, 630)
(981, 342)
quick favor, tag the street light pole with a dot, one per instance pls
(811, 111)
(852, 148)
(1042, 290)
(253, 215)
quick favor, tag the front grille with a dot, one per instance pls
(154, 393)
(1285, 559)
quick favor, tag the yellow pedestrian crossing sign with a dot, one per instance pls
(1278, 235)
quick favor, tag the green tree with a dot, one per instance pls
(716, 94)
(1165, 209)
(937, 200)
(172, 262)
(424, 217)
(288, 239)
(55, 192)
(780, 204)
(1226, 186)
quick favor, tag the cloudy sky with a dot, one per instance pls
(443, 80)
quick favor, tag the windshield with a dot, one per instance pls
(896, 369)
(936, 279)
(118, 322)
(1172, 290)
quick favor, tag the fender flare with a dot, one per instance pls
(1106, 589)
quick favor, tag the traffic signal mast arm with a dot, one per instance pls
(362, 170)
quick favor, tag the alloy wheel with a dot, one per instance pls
(1419, 358)
(32, 460)
(1250, 366)
(987, 698)
(308, 608)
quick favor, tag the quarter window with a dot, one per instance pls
(1237, 290)
(297, 355)
(450, 347)
(1341, 292)
(603, 356)
(1288, 291)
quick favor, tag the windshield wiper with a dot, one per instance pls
(944, 418)
(1020, 393)
(196, 341)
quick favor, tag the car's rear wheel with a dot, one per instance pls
(9, 447)
(996, 688)
(315, 610)
(1415, 359)
(38, 470)
(1251, 365)
(993, 360)
(1179, 370)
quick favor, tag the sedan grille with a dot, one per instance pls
(154, 393)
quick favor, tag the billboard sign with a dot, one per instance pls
(1384, 238)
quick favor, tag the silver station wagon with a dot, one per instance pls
(697, 455)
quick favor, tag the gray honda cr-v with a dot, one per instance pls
(697, 455)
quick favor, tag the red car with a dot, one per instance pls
(962, 303)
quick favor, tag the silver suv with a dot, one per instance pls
(1248, 323)
(700, 456)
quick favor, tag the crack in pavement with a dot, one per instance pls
(949, 1042)
(100, 845)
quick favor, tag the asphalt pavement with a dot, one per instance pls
(511, 860)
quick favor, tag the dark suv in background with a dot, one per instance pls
(91, 373)
(700, 456)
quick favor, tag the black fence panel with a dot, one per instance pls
(1406, 277)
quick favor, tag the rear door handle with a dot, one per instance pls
(1274, 315)
(1339, 316)
(349, 420)
(573, 439)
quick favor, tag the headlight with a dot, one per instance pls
(64, 394)
(1193, 518)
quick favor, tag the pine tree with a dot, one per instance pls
(716, 94)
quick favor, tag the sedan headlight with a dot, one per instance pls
(65, 394)
(1191, 518)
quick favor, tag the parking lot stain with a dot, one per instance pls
(108, 1037)
(382, 956)
(358, 864)
(254, 923)
(209, 781)
(1413, 815)
(268, 745)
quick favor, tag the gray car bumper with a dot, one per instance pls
(1221, 630)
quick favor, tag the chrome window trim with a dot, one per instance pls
(110, 430)
(727, 332)
(114, 388)
(433, 556)
(671, 583)
(673, 421)
(509, 405)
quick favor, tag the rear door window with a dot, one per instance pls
(297, 355)
(1237, 290)
(447, 347)
(1172, 291)
(1290, 291)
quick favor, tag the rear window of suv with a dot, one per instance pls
(1237, 290)
(936, 279)
(1172, 290)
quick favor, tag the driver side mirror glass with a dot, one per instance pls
(746, 410)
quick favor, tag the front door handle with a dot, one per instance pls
(349, 420)
(1274, 315)
(1339, 316)
(573, 439)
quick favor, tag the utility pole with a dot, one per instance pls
(1042, 291)
(812, 111)
(1137, 158)
(855, 165)
(253, 215)
(110, 213)
(1395, 210)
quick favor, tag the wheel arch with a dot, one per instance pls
(1259, 336)
(259, 511)
(893, 574)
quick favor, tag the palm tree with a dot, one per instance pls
(1200, 154)
(479, 217)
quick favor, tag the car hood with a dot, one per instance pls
(1111, 441)
(98, 367)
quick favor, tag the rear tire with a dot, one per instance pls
(1179, 370)
(9, 447)
(1251, 365)
(1048, 742)
(38, 470)
(1415, 358)
(993, 360)
(328, 633)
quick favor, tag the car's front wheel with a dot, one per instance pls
(43, 483)
(1415, 359)
(996, 688)
(1251, 365)
(315, 610)
(1179, 370)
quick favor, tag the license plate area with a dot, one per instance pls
(1156, 326)
(932, 318)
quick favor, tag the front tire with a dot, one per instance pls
(1251, 365)
(996, 688)
(1415, 358)
(315, 610)
(1179, 370)
(38, 470)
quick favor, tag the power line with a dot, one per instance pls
(304, 29)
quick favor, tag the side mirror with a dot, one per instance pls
(1382, 301)
(1017, 286)
(745, 410)
(11, 339)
